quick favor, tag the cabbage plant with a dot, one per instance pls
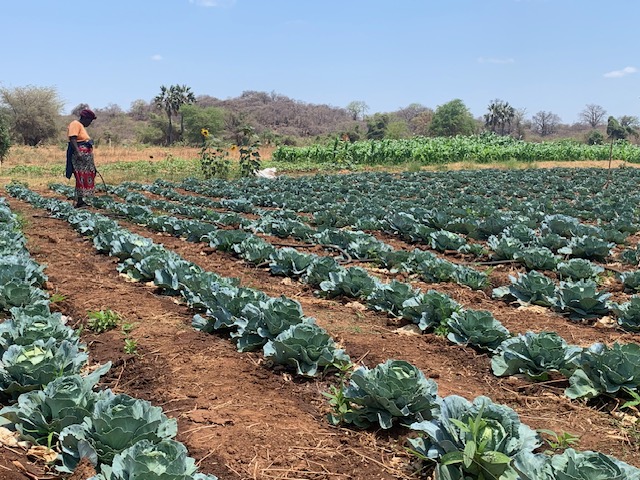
(264, 320)
(579, 269)
(504, 247)
(25, 327)
(470, 277)
(306, 347)
(289, 262)
(574, 465)
(117, 422)
(352, 282)
(477, 328)
(442, 240)
(602, 369)
(587, 246)
(581, 300)
(392, 391)
(473, 440)
(628, 314)
(390, 297)
(254, 250)
(31, 367)
(39, 416)
(429, 310)
(535, 355)
(532, 287)
(319, 269)
(631, 280)
(537, 258)
(166, 460)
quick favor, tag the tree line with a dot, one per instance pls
(33, 116)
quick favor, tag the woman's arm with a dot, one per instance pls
(74, 143)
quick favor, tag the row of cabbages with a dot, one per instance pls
(594, 371)
(253, 319)
(352, 244)
(576, 296)
(49, 392)
(467, 440)
(478, 439)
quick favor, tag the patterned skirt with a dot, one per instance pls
(84, 169)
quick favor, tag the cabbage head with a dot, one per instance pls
(581, 300)
(628, 314)
(24, 328)
(532, 287)
(166, 460)
(430, 309)
(306, 347)
(579, 269)
(535, 355)
(116, 423)
(39, 416)
(31, 367)
(574, 465)
(477, 328)
(394, 390)
(390, 297)
(602, 369)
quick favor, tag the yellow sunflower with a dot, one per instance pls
(204, 132)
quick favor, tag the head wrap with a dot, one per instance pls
(86, 113)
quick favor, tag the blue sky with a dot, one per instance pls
(538, 55)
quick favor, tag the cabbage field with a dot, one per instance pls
(461, 324)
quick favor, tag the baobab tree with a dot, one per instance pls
(593, 115)
(545, 123)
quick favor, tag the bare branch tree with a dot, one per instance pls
(545, 123)
(593, 115)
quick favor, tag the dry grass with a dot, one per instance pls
(48, 155)
(40, 166)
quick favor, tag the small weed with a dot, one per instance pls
(635, 398)
(130, 346)
(102, 320)
(21, 221)
(57, 298)
(560, 441)
(341, 408)
(127, 328)
(441, 330)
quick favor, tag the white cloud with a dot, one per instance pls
(156, 57)
(214, 3)
(495, 60)
(621, 73)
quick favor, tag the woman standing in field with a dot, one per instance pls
(80, 157)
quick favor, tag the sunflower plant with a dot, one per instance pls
(214, 160)
(249, 152)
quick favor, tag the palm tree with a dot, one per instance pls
(500, 116)
(182, 96)
(164, 101)
(170, 100)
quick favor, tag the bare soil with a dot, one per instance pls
(242, 419)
